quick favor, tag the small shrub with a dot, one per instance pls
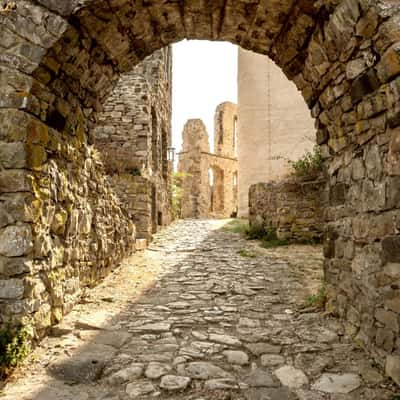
(268, 236)
(255, 232)
(240, 226)
(14, 347)
(318, 299)
(247, 253)
(308, 165)
(177, 180)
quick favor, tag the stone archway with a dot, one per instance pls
(58, 61)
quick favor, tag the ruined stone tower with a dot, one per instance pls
(274, 123)
(210, 182)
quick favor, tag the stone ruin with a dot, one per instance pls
(210, 179)
(274, 124)
(61, 224)
(92, 205)
(133, 134)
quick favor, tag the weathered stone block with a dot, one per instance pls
(391, 248)
(393, 270)
(322, 136)
(36, 156)
(388, 318)
(373, 196)
(12, 155)
(11, 289)
(392, 367)
(15, 241)
(385, 339)
(389, 66)
(367, 25)
(373, 163)
(358, 169)
(393, 165)
(14, 180)
(337, 194)
(392, 192)
(14, 266)
(59, 221)
(393, 303)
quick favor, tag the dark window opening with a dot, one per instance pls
(154, 140)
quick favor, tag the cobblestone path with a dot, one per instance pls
(196, 317)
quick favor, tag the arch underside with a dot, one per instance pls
(58, 62)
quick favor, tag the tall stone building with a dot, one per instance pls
(274, 123)
(210, 182)
(133, 135)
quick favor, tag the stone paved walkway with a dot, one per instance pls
(193, 318)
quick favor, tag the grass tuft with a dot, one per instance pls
(268, 236)
(318, 299)
(14, 347)
(240, 226)
(247, 253)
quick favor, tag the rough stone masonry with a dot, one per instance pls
(59, 60)
(210, 178)
(133, 134)
(292, 207)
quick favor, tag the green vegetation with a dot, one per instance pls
(269, 244)
(270, 239)
(256, 232)
(318, 299)
(14, 347)
(268, 236)
(247, 253)
(177, 179)
(240, 226)
(309, 165)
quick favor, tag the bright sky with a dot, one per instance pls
(204, 75)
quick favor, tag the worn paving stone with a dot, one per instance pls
(156, 370)
(270, 360)
(173, 382)
(137, 389)
(203, 371)
(236, 357)
(263, 348)
(203, 322)
(125, 375)
(260, 378)
(337, 383)
(291, 377)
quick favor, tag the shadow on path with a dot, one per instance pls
(191, 318)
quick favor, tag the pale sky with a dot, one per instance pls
(204, 75)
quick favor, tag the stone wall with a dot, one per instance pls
(274, 124)
(210, 179)
(65, 220)
(61, 226)
(133, 134)
(292, 207)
